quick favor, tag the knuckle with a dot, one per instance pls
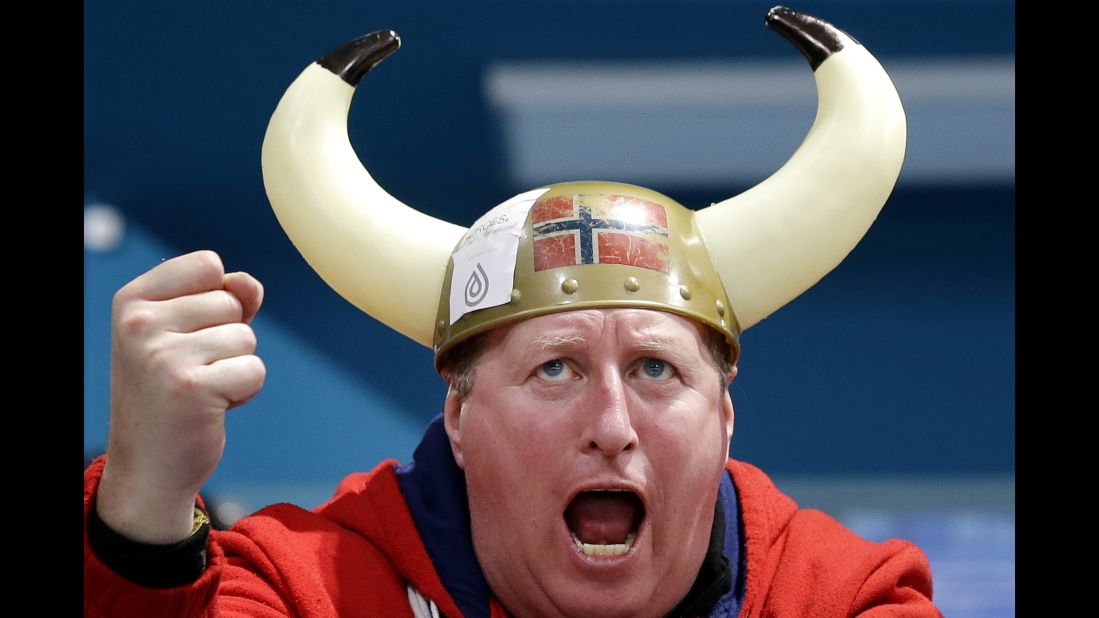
(160, 355)
(135, 320)
(209, 262)
(122, 298)
(183, 382)
(237, 339)
(248, 338)
(259, 371)
(230, 305)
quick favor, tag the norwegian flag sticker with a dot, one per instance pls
(599, 229)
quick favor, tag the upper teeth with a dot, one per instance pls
(615, 549)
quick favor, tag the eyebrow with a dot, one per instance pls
(557, 341)
(653, 345)
(649, 344)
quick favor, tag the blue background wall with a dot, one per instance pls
(899, 363)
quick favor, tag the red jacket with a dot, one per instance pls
(355, 555)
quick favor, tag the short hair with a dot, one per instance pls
(460, 362)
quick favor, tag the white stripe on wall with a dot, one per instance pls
(736, 122)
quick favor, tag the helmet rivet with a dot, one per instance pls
(720, 307)
(441, 327)
(632, 284)
(685, 292)
(569, 286)
(516, 295)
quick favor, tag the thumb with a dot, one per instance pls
(248, 290)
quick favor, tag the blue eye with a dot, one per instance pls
(553, 368)
(655, 368)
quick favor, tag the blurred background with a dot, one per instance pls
(884, 395)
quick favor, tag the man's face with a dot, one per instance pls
(593, 443)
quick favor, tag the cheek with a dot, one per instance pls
(490, 434)
(499, 449)
(687, 418)
(509, 485)
(493, 480)
(511, 427)
(687, 440)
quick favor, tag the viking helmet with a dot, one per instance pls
(586, 244)
(581, 245)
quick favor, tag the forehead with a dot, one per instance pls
(593, 327)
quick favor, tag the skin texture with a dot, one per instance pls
(530, 435)
(182, 354)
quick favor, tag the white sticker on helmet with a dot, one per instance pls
(484, 263)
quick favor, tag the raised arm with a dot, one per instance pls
(182, 354)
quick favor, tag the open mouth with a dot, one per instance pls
(604, 522)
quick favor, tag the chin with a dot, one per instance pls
(586, 604)
(581, 597)
(599, 604)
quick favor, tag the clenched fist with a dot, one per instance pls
(182, 354)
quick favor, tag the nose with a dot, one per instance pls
(608, 428)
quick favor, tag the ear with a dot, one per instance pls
(727, 405)
(452, 417)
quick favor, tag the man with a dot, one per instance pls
(587, 332)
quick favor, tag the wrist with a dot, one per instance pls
(142, 513)
(149, 565)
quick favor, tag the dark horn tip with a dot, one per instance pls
(815, 38)
(354, 59)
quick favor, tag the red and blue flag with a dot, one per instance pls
(599, 229)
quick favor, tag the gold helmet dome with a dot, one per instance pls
(580, 245)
